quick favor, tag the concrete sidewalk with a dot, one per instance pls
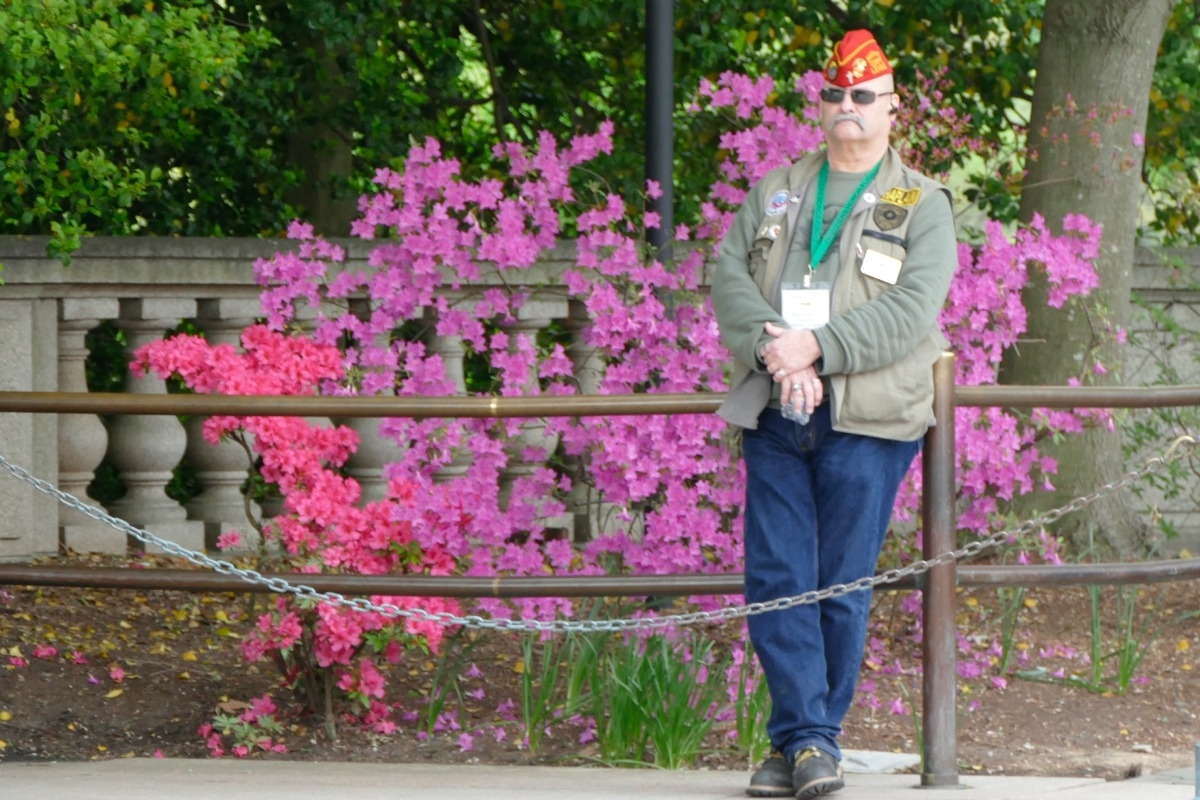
(226, 779)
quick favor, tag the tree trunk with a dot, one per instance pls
(323, 198)
(321, 150)
(1094, 69)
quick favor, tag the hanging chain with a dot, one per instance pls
(1182, 447)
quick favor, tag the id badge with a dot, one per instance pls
(805, 307)
(885, 268)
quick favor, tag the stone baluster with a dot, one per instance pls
(374, 452)
(221, 469)
(82, 438)
(588, 366)
(146, 448)
(529, 450)
(592, 516)
(453, 351)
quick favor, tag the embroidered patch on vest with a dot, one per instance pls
(888, 217)
(777, 204)
(901, 197)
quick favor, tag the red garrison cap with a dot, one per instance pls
(856, 58)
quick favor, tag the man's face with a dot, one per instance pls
(866, 123)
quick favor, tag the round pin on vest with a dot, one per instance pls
(869, 199)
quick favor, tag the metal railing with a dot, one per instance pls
(938, 583)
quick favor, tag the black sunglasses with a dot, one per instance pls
(860, 97)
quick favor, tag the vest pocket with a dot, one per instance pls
(897, 398)
(757, 258)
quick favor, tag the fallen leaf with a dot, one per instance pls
(190, 655)
(232, 706)
(114, 693)
(5, 716)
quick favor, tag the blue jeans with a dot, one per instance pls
(818, 505)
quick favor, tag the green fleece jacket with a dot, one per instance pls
(880, 344)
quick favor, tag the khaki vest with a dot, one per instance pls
(894, 401)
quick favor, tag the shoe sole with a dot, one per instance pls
(771, 791)
(819, 787)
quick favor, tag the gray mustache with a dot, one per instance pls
(855, 118)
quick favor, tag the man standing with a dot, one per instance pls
(827, 291)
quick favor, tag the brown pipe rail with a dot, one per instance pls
(938, 502)
(568, 406)
(324, 406)
(510, 587)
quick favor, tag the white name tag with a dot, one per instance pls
(885, 268)
(805, 307)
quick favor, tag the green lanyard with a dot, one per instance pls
(820, 244)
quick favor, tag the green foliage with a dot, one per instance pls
(1172, 170)
(751, 709)
(556, 675)
(110, 110)
(261, 734)
(188, 117)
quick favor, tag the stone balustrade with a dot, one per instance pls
(146, 286)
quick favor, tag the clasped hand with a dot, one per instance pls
(789, 358)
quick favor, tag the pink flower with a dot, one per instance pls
(229, 540)
(215, 746)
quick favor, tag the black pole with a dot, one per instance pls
(660, 105)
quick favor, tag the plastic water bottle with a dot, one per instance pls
(799, 416)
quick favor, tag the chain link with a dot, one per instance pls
(1183, 446)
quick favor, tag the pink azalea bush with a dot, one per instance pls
(495, 497)
(323, 528)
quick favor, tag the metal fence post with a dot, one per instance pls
(939, 767)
